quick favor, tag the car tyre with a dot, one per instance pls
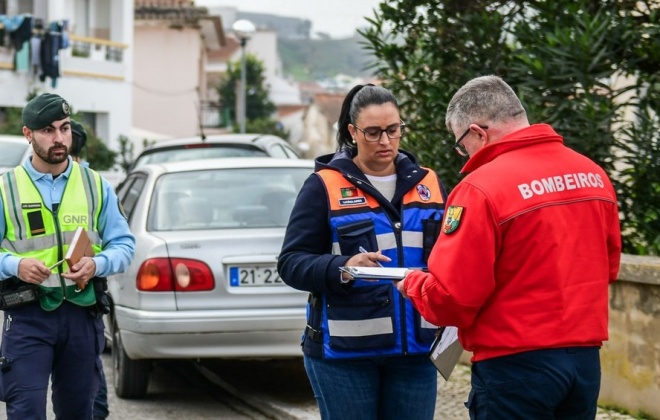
(130, 377)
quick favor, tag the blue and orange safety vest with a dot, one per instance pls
(372, 318)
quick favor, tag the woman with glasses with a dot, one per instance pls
(369, 204)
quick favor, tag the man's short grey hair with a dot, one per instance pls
(483, 100)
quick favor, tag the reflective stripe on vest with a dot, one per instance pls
(34, 231)
(374, 319)
(375, 326)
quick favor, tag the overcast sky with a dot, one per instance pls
(339, 18)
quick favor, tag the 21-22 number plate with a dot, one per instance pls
(248, 276)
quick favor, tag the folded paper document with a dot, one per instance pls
(376, 273)
(445, 351)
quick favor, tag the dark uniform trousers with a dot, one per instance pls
(561, 383)
(65, 343)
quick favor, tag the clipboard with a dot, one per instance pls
(376, 273)
(445, 351)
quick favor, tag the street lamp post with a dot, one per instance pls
(243, 30)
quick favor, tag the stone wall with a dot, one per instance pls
(630, 360)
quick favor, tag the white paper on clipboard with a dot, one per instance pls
(376, 273)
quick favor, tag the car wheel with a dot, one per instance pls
(130, 377)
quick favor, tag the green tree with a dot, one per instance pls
(13, 123)
(594, 65)
(564, 58)
(427, 49)
(95, 152)
(256, 96)
(126, 153)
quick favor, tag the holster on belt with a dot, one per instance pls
(102, 305)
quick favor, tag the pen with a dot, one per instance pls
(364, 251)
(56, 264)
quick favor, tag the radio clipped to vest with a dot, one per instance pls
(17, 297)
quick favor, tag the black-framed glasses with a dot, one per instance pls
(374, 134)
(460, 149)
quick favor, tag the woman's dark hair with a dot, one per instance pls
(355, 101)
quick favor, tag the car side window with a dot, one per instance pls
(291, 153)
(130, 192)
(13, 154)
(277, 151)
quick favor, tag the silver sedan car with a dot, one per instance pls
(204, 283)
(15, 149)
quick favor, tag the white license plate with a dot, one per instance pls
(247, 276)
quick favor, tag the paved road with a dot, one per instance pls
(255, 390)
(176, 391)
(283, 388)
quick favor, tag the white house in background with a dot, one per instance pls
(320, 124)
(172, 39)
(96, 69)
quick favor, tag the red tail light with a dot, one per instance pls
(174, 274)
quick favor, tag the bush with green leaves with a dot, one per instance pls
(265, 126)
(590, 69)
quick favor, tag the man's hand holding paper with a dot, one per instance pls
(399, 284)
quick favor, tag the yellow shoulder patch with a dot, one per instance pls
(452, 219)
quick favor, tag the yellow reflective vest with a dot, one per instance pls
(35, 231)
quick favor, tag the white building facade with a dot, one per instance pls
(95, 67)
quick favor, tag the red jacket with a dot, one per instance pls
(530, 242)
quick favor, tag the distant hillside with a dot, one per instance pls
(315, 59)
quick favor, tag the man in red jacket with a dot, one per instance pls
(529, 244)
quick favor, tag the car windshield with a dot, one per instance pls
(12, 153)
(225, 198)
(199, 151)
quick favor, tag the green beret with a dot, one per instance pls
(79, 136)
(43, 110)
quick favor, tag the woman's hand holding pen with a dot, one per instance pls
(365, 259)
(369, 259)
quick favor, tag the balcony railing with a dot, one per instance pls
(86, 57)
(94, 57)
(97, 49)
